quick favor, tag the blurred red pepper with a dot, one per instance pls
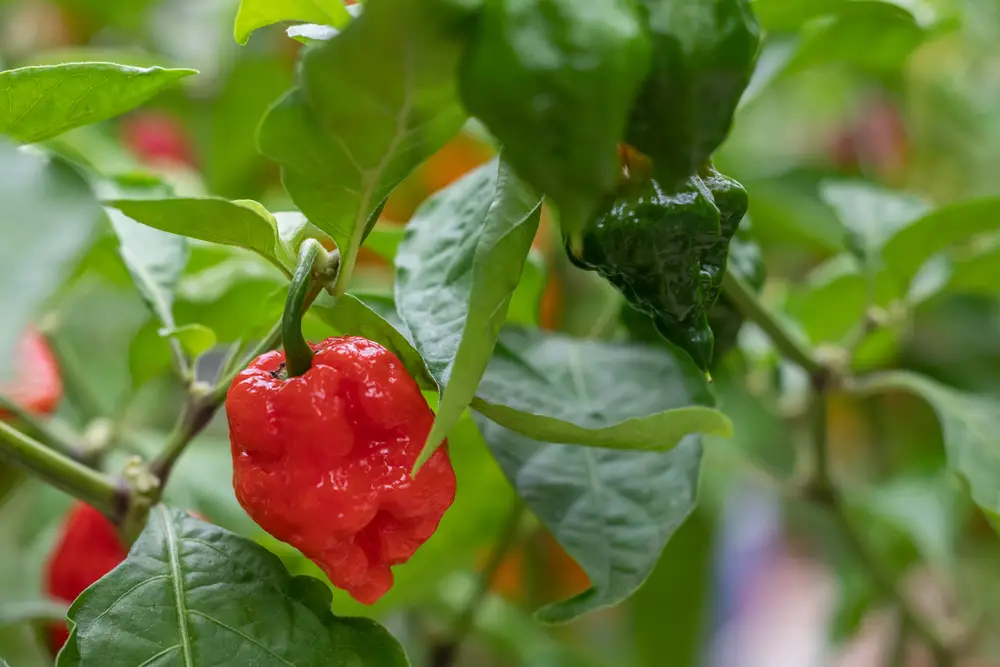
(36, 385)
(88, 548)
(157, 138)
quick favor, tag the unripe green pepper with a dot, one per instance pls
(666, 251)
(703, 55)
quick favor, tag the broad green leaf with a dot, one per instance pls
(621, 396)
(872, 36)
(612, 511)
(47, 218)
(154, 259)
(370, 105)
(456, 271)
(254, 14)
(908, 251)
(969, 424)
(871, 215)
(671, 612)
(349, 316)
(43, 102)
(554, 81)
(172, 603)
(196, 339)
(235, 223)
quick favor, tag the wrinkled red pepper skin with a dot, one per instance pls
(322, 461)
(36, 385)
(88, 548)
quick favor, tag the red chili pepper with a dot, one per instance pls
(37, 386)
(157, 138)
(88, 549)
(322, 461)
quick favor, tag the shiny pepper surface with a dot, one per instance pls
(322, 461)
(88, 548)
(36, 385)
(666, 251)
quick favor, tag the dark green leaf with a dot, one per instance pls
(254, 14)
(969, 423)
(348, 316)
(621, 396)
(456, 271)
(42, 102)
(671, 612)
(370, 105)
(154, 259)
(173, 602)
(612, 511)
(554, 80)
(243, 224)
(48, 216)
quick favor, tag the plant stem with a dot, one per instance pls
(446, 654)
(298, 354)
(58, 470)
(783, 338)
(824, 491)
(40, 429)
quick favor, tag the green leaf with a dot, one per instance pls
(612, 511)
(456, 271)
(154, 259)
(293, 229)
(554, 81)
(48, 217)
(671, 612)
(525, 304)
(621, 396)
(243, 224)
(254, 14)
(910, 249)
(969, 424)
(871, 215)
(349, 316)
(196, 339)
(172, 602)
(43, 102)
(370, 105)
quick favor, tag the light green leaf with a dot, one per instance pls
(871, 215)
(154, 259)
(171, 602)
(554, 81)
(612, 511)
(969, 423)
(254, 14)
(243, 224)
(621, 396)
(525, 304)
(348, 316)
(43, 102)
(293, 229)
(196, 339)
(370, 105)
(906, 252)
(456, 271)
(47, 219)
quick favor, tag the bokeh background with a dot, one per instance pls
(903, 95)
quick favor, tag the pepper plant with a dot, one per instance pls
(344, 520)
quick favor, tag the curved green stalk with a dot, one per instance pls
(298, 354)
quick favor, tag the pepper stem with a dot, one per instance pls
(298, 354)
